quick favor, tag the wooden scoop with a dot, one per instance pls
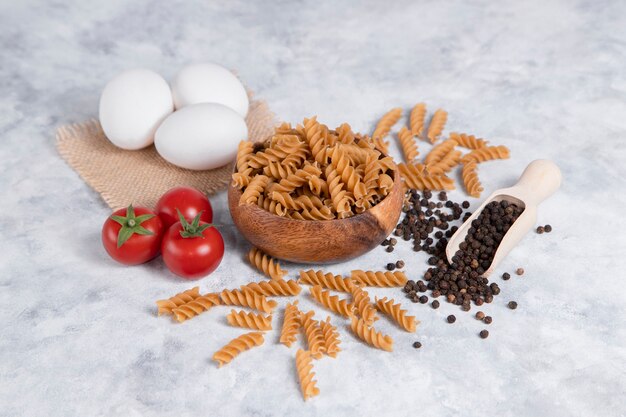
(540, 180)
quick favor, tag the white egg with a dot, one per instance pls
(132, 106)
(209, 83)
(201, 136)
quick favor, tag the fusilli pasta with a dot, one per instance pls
(331, 338)
(247, 298)
(468, 141)
(437, 124)
(291, 324)
(399, 315)
(331, 302)
(166, 306)
(274, 287)
(487, 153)
(328, 280)
(472, 184)
(196, 306)
(417, 118)
(379, 279)
(371, 336)
(304, 368)
(408, 145)
(265, 264)
(313, 334)
(239, 344)
(249, 320)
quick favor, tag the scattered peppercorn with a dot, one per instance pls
(389, 248)
(465, 204)
(423, 299)
(393, 241)
(547, 228)
(519, 271)
(484, 334)
(512, 305)
(451, 318)
(488, 320)
(417, 345)
(391, 266)
(435, 304)
(480, 315)
(506, 276)
(400, 264)
(540, 229)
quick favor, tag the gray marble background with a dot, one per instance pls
(78, 333)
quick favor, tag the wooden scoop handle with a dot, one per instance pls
(540, 180)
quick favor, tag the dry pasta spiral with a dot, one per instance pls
(379, 278)
(437, 124)
(265, 264)
(297, 179)
(328, 280)
(487, 153)
(445, 165)
(468, 141)
(304, 368)
(345, 134)
(371, 336)
(244, 152)
(472, 184)
(249, 320)
(362, 304)
(398, 315)
(195, 307)
(439, 152)
(239, 344)
(331, 338)
(166, 306)
(384, 126)
(408, 145)
(313, 334)
(417, 118)
(339, 196)
(291, 324)
(323, 213)
(417, 180)
(247, 298)
(277, 170)
(331, 302)
(254, 189)
(275, 287)
(242, 179)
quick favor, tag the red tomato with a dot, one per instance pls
(194, 250)
(132, 235)
(188, 200)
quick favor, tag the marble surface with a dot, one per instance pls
(78, 333)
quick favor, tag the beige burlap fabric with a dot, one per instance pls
(140, 177)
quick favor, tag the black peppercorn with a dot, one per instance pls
(540, 229)
(488, 320)
(484, 334)
(400, 264)
(435, 304)
(512, 305)
(451, 318)
(391, 266)
(506, 276)
(547, 228)
(417, 345)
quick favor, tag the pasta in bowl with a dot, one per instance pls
(314, 195)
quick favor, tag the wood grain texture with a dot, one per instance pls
(319, 242)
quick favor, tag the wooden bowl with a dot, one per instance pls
(320, 242)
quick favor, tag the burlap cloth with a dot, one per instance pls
(140, 177)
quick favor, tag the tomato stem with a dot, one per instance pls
(131, 225)
(193, 229)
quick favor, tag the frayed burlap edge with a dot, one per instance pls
(140, 177)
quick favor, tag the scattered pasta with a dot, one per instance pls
(291, 324)
(468, 141)
(362, 304)
(487, 153)
(275, 287)
(384, 126)
(379, 279)
(249, 320)
(414, 177)
(247, 298)
(328, 280)
(313, 334)
(371, 336)
(417, 119)
(166, 306)
(239, 344)
(331, 338)
(398, 315)
(331, 302)
(304, 368)
(437, 124)
(195, 307)
(408, 145)
(265, 264)
(472, 184)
